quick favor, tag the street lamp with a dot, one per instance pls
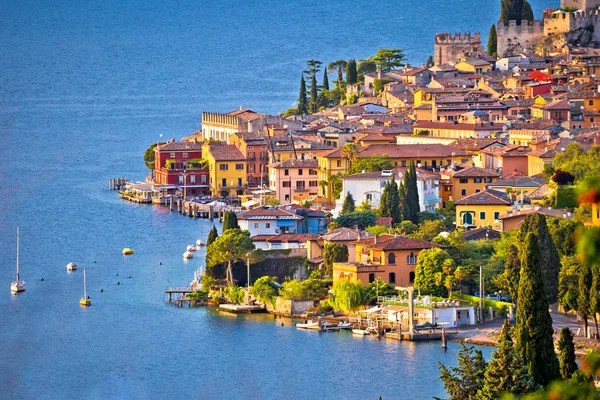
(184, 174)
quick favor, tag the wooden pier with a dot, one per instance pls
(177, 293)
(117, 183)
(195, 209)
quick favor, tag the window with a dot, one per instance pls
(339, 163)
(186, 154)
(463, 192)
(411, 276)
(371, 277)
(447, 188)
(392, 278)
(239, 167)
(300, 171)
(477, 180)
(286, 172)
(391, 259)
(477, 190)
(467, 219)
(223, 167)
(369, 197)
(496, 215)
(256, 225)
(488, 180)
(591, 119)
(312, 172)
(193, 179)
(286, 197)
(286, 184)
(313, 183)
(482, 215)
(223, 182)
(404, 163)
(448, 162)
(172, 155)
(464, 180)
(180, 178)
(239, 181)
(411, 258)
(267, 225)
(425, 186)
(590, 102)
(203, 178)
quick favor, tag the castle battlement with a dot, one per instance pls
(557, 22)
(515, 38)
(524, 25)
(457, 38)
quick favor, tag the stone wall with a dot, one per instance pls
(513, 38)
(449, 48)
(580, 4)
(290, 307)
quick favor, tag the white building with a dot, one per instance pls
(272, 221)
(369, 186)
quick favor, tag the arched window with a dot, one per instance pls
(392, 277)
(411, 277)
(391, 259)
(467, 218)
(411, 258)
(371, 277)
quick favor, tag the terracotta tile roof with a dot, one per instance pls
(225, 152)
(487, 197)
(402, 243)
(475, 172)
(271, 213)
(540, 193)
(374, 138)
(481, 233)
(181, 146)
(296, 164)
(475, 144)
(432, 150)
(384, 221)
(344, 235)
(457, 126)
(517, 182)
(549, 212)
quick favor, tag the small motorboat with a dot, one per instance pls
(359, 332)
(199, 242)
(329, 326)
(127, 251)
(188, 254)
(191, 247)
(71, 267)
(344, 325)
(314, 325)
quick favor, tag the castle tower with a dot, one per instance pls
(448, 48)
(585, 5)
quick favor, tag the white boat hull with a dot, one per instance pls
(17, 287)
(71, 267)
(191, 248)
(188, 255)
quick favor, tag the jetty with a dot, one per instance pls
(177, 293)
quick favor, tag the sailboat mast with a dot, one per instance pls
(84, 286)
(17, 254)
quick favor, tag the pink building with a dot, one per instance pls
(294, 180)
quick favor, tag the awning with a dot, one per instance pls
(249, 203)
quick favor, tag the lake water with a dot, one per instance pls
(84, 88)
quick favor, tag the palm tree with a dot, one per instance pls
(350, 152)
(338, 66)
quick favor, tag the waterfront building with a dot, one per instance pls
(469, 180)
(294, 180)
(344, 236)
(295, 242)
(369, 186)
(482, 209)
(254, 148)
(390, 257)
(270, 221)
(179, 165)
(227, 169)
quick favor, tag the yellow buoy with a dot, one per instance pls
(127, 251)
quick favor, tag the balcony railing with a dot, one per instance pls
(301, 189)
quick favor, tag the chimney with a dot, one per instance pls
(422, 65)
(356, 228)
(375, 240)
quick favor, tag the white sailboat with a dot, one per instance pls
(85, 301)
(18, 285)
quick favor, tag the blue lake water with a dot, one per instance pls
(84, 88)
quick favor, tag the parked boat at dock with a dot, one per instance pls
(191, 247)
(188, 255)
(344, 325)
(313, 325)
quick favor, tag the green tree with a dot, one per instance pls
(429, 230)
(361, 219)
(508, 281)
(350, 152)
(348, 206)
(465, 381)
(346, 295)
(506, 372)
(492, 45)
(584, 287)
(231, 246)
(365, 67)
(338, 67)
(332, 253)
(527, 13)
(230, 221)
(429, 270)
(430, 63)
(314, 66)
(325, 85)
(212, 236)
(364, 206)
(533, 331)
(578, 162)
(385, 205)
(566, 353)
(351, 72)
(371, 164)
(547, 253)
(264, 289)
(234, 294)
(375, 289)
(336, 185)
(302, 99)
(563, 233)
(572, 273)
(511, 10)
(411, 207)
(149, 155)
(294, 290)
(395, 210)
(388, 59)
(595, 295)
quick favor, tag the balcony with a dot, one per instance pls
(301, 189)
(232, 186)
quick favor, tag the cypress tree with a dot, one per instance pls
(349, 205)
(405, 210)
(464, 381)
(492, 45)
(548, 255)
(351, 73)
(533, 331)
(412, 195)
(511, 271)
(212, 235)
(430, 62)
(302, 100)
(314, 94)
(395, 212)
(595, 295)
(230, 221)
(385, 209)
(566, 355)
(506, 372)
(527, 13)
(584, 288)
(401, 200)
(325, 80)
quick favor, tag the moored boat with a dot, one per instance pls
(191, 247)
(344, 325)
(85, 300)
(314, 325)
(127, 251)
(71, 267)
(18, 285)
(188, 255)
(359, 332)
(199, 242)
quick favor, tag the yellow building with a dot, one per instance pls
(595, 214)
(468, 181)
(538, 159)
(330, 164)
(482, 209)
(227, 169)
(474, 66)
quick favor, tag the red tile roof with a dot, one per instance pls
(488, 197)
(225, 152)
(432, 150)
